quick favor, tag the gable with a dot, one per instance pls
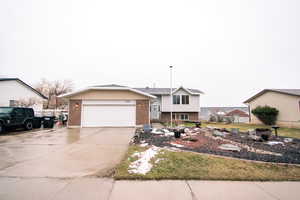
(181, 92)
(15, 89)
(108, 95)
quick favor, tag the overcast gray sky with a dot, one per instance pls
(229, 49)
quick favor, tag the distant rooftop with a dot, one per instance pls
(109, 85)
(163, 91)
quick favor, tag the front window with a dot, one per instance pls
(185, 99)
(184, 116)
(176, 99)
(6, 110)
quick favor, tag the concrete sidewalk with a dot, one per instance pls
(108, 189)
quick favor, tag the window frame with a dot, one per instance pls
(184, 118)
(185, 99)
(176, 99)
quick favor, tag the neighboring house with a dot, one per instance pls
(287, 101)
(15, 92)
(185, 103)
(238, 116)
(120, 106)
(206, 112)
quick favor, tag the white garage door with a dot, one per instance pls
(108, 115)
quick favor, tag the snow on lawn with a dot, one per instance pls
(143, 165)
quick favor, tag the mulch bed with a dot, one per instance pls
(204, 144)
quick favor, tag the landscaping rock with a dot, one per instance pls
(230, 147)
(287, 140)
(235, 130)
(255, 137)
(191, 139)
(219, 133)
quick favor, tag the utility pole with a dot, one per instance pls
(171, 96)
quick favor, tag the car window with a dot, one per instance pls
(5, 110)
(19, 111)
(29, 112)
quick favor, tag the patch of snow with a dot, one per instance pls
(229, 147)
(136, 154)
(274, 143)
(143, 165)
(169, 134)
(158, 160)
(144, 145)
(165, 130)
(186, 130)
(177, 145)
(157, 131)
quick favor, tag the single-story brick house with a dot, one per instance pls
(287, 101)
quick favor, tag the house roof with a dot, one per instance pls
(293, 92)
(25, 84)
(107, 87)
(166, 91)
(237, 112)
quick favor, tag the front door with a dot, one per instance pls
(155, 109)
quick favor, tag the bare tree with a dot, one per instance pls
(52, 89)
(27, 102)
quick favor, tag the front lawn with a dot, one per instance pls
(187, 165)
(285, 132)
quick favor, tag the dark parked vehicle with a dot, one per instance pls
(14, 117)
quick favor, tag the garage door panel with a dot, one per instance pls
(108, 115)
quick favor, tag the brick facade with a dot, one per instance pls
(165, 116)
(74, 113)
(142, 112)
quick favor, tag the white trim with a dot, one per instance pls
(106, 88)
(109, 102)
(187, 90)
(74, 126)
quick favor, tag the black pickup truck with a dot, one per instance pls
(11, 117)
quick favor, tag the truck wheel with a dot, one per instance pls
(1, 128)
(28, 125)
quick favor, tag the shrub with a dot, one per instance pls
(266, 114)
(212, 118)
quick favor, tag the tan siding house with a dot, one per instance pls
(108, 106)
(287, 101)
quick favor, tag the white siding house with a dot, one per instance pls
(186, 106)
(13, 90)
(193, 106)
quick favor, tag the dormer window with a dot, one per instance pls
(176, 99)
(185, 99)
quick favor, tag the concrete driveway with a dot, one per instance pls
(63, 153)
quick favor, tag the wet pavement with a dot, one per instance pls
(62, 153)
(61, 164)
(108, 189)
